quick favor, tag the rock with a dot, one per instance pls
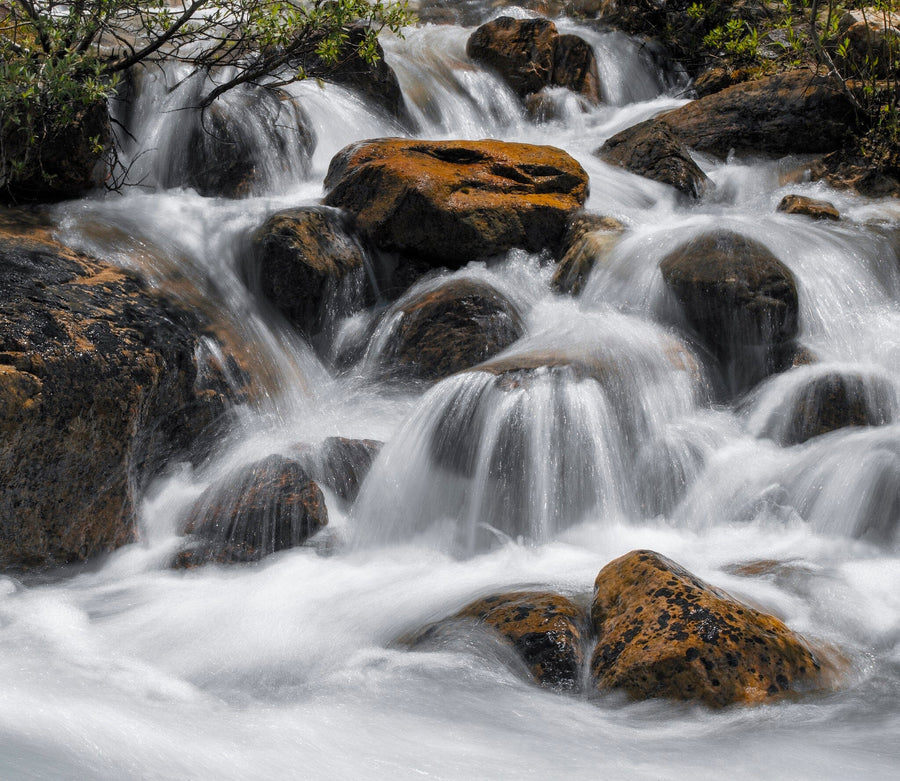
(575, 68)
(740, 300)
(547, 631)
(408, 196)
(530, 54)
(65, 164)
(522, 51)
(99, 387)
(309, 264)
(810, 207)
(833, 401)
(264, 508)
(793, 112)
(589, 246)
(664, 633)
(713, 80)
(345, 464)
(234, 147)
(873, 37)
(846, 170)
(651, 149)
(448, 329)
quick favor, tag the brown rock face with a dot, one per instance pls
(529, 54)
(546, 630)
(454, 201)
(651, 149)
(98, 388)
(450, 329)
(810, 207)
(269, 506)
(792, 112)
(309, 264)
(740, 299)
(664, 633)
(587, 245)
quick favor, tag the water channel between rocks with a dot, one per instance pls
(288, 668)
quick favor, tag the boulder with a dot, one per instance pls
(442, 331)
(230, 144)
(409, 196)
(836, 400)
(810, 207)
(652, 150)
(309, 264)
(522, 51)
(873, 38)
(344, 464)
(712, 80)
(789, 113)
(546, 630)
(268, 506)
(99, 387)
(740, 300)
(664, 633)
(530, 54)
(67, 163)
(589, 242)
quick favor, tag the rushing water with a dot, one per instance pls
(287, 669)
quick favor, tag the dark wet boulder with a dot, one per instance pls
(809, 207)
(268, 506)
(588, 242)
(100, 386)
(740, 300)
(448, 329)
(530, 54)
(546, 630)
(661, 632)
(835, 400)
(409, 196)
(66, 162)
(652, 150)
(789, 113)
(309, 264)
(344, 463)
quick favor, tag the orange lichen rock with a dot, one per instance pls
(664, 633)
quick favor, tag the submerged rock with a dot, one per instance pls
(810, 207)
(448, 329)
(409, 196)
(99, 387)
(664, 633)
(589, 241)
(651, 149)
(793, 112)
(530, 54)
(740, 300)
(264, 508)
(344, 463)
(309, 264)
(546, 630)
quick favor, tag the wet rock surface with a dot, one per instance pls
(449, 329)
(309, 264)
(740, 300)
(99, 387)
(547, 631)
(266, 507)
(344, 464)
(664, 633)
(652, 150)
(588, 242)
(794, 112)
(809, 207)
(530, 54)
(408, 196)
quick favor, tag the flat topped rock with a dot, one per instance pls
(664, 633)
(450, 202)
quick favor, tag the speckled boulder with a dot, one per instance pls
(664, 633)
(450, 202)
(809, 207)
(546, 630)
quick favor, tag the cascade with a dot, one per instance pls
(607, 426)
